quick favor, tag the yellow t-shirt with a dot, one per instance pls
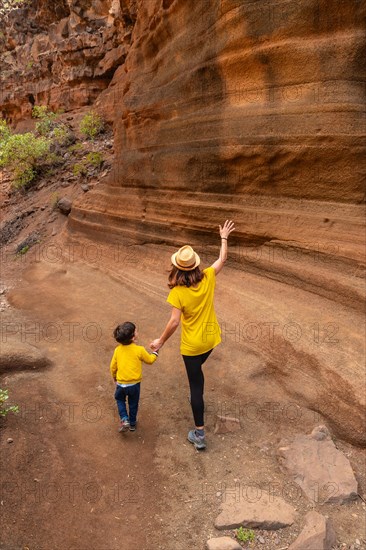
(200, 329)
(126, 364)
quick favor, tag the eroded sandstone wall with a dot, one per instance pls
(251, 110)
(61, 54)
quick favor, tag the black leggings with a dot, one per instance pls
(196, 380)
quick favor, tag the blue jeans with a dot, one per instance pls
(132, 394)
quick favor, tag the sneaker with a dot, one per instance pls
(197, 440)
(132, 427)
(125, 424)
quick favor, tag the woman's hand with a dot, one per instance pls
(227, 229)
(155, 345)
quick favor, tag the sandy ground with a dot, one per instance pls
(71, 481)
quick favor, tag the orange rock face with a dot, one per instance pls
(243, 110)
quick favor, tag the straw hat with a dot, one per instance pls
(186, 258)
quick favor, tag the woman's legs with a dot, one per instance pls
(193, 364)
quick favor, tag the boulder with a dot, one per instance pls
(16, 354)
(255, 509)
(322, 471)
(317, 533)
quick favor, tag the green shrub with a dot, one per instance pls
(5, 132)
(79, 169)
(5, 410)
(244, 535)
(91, 125)
(61, 135)
(75, 148)
(46, 119)
(22, 154)
(53, 159)
(94, 159)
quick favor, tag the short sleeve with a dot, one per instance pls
(211, 275)
(173, 299)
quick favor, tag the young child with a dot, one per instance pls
(126, 369)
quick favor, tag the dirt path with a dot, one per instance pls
(71, 481)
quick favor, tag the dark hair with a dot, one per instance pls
(178, 277)
(124, 333)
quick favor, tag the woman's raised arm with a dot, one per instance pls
(224, 234)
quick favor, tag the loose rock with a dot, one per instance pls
(64, 205)
(255, 509)
(223, 543)
(226, 424)
(320, 433)
(10, 440)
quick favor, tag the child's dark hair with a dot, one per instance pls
(124, 333)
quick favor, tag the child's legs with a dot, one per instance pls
(196, 380)
(120, 397)
(133, 393)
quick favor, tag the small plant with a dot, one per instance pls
(61, 135)
(244, 535)
(75, 148)
(53, 159)
(46, 119)
(79, 169)
(3, 409)
(94, 159)
(23, 250)
(91, 125)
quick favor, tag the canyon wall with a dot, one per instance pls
(61, 54)
(242, 109)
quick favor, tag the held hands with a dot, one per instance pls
(155, 345)
(227, 229)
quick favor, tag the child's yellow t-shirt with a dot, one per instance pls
(126, 364)
(200, 329)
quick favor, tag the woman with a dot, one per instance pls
(191, 295)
